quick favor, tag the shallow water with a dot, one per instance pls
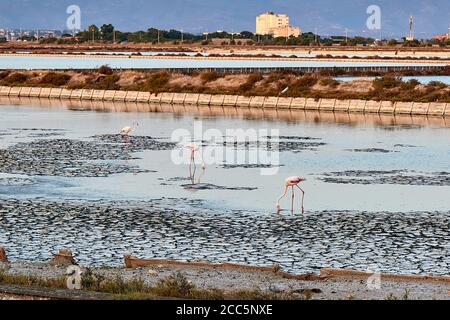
(414, 149)
(421, 79)
(405, 163)
(440, 55)
(45, 62)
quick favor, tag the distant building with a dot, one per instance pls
(442, 37)
(276, 25)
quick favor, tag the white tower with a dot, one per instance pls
(411, 29)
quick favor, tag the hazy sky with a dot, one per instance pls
(328, 16)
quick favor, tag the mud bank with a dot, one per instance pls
(101, 232)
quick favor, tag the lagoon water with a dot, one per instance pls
(323, 148)
(387, 182)
(441, 55)
(46, 62)
(421, 79)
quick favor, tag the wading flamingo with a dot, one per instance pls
(194, 148)
(292, 182)
(127, 130)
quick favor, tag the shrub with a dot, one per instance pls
(437, 84)
(16, 78)
(409, 85)
(105, 70)
(4, 74)
(91, 281)
(118, 285)
(255, 77)
(275, 76)
(175, 285)
(386, 82)
(250, 83)
(109, 83)
(56, 79)
(209, 76)
(306, 82)
(157, 81)
(329, 82)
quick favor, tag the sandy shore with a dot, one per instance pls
(322, 288)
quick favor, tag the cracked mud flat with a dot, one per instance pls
(249, 166)
(100, 233)
(76, 158)
(209, 186)
(398, 177)
(35, 132)
(371, 150)
(282, 144)
(15, 181)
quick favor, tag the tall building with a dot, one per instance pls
(277, 25)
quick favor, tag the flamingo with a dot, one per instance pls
(194, 148)
(127, 130)
(292, 182)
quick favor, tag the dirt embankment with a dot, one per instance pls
(319, 85)
(214, 48)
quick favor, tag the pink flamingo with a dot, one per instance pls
(127, 130)
(292, 182)
(194, 148)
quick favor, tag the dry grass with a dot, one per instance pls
(174, 286)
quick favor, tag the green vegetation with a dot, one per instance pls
(405, 296)
(174, 286)
(27, 280)
(108, 33)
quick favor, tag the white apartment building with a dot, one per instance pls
(277, 25)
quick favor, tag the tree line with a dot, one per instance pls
(108, 33)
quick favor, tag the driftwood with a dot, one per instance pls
(63, 257)
(133, 262)
(3, 257)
